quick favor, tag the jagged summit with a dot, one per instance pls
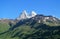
(33, 13)
(25, 15)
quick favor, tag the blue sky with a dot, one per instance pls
(13, 8)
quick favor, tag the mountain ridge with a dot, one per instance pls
(37, 26)
(37, 17)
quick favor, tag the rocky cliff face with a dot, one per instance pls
(25, 15)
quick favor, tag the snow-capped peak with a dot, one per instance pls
(23, 15)
(33, 14)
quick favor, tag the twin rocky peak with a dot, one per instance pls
(25, 15)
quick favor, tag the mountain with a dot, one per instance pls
(49, 20)
(25, 15)
(33, 14)
(34, 26)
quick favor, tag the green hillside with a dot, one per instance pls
(29, 31)
(4, 27)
